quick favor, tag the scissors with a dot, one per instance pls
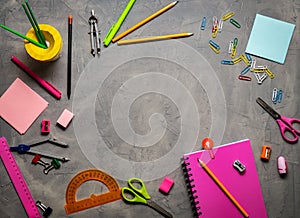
(138, 193)
(285, 123)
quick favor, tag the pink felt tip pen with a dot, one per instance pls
(45, 84)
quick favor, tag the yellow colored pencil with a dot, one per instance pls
(154, 38)
(146, 20)
(224, 189)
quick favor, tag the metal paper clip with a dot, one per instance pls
(245, 59)
(54, 165)
(215, 45)
(203, 23)
(245, 78)
(236, 60)
(227, 62)
(279, 96)
(45, 128)
(215, 27)
(253, 63)
(227, 15)
(261, 67)
(235, 23)
(230, 47)
(214, 34)
(217, 51)
(258, 70)
(248, 57)
(245, 70)
(46, 210)
(94, 34)
(261, 78)
(270, 74)
(257, 77)
(220, 27)
(233, 52)
(274, 96)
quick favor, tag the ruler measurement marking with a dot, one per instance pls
(18, 180)
(72, 205)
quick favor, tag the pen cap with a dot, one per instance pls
(53, 40)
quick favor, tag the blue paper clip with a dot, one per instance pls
(203, 24)
(279, 96)
(227, 62)
(215, 45)
(248, 57)
(245, 70)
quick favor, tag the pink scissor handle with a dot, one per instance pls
(291, 121)
(285, 125)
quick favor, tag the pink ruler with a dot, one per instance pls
(18, 180)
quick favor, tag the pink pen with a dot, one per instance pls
(45, 84)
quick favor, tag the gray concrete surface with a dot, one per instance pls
(139, 108)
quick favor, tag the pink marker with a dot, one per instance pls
(45, 84)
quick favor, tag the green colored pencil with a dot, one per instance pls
(34, 23)
(23, 36)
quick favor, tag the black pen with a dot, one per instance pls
(70, 19)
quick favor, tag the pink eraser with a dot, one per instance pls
(65, 118)
(166, 185)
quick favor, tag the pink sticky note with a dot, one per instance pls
(65, 118)
(166, 185)
(20, 106)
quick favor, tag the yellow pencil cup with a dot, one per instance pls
(53, 40)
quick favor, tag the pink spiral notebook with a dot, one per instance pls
(209, 200)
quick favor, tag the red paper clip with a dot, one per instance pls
(215, 24)
(45, 127)
(246, 78)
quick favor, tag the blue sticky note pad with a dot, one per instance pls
(270, 38)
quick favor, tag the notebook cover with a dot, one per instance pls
(270, 38)
(208, 198)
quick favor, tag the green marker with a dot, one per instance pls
(114, 28)
(23, 36)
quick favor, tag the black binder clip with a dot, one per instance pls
(46, 210)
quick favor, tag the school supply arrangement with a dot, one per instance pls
(223, 180)
(210, 198)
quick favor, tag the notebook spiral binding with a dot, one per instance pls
(191, 187)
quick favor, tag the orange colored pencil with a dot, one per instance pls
(224, 189)
(146, 20)
(154, 38)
